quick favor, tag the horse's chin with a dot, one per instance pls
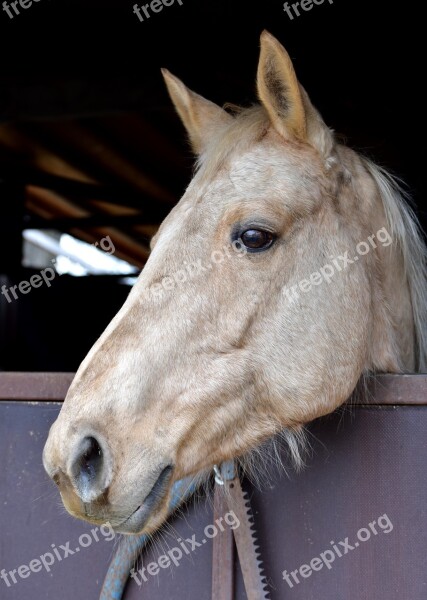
(152, 511)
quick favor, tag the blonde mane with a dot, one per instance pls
(405, 228)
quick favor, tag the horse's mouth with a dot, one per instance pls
(136, 521)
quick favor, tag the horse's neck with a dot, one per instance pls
(392, 343)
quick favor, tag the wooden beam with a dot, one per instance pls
(20, 151)
(85, 149)
(49, 203)
(153, 211)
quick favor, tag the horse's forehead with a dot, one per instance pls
(257, 172)
(261, 172)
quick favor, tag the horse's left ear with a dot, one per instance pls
(201, 118)
(285, 100)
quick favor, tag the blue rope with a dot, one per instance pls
(125, 556)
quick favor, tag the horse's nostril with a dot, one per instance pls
(88, 468)
(91, 457)
(56, 478)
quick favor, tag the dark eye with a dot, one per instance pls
(257, 239)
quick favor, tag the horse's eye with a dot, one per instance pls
(257, 239)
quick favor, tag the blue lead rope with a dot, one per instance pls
(125, 556)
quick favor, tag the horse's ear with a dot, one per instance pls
(200, 117)
(285, 100)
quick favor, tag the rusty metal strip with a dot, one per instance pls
(395, 390)
(382, 390)
(247, 548)
(222, 553)
(34, 386)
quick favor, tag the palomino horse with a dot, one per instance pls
(289, 269)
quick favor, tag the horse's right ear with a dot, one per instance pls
(285, 100)
(200, 117)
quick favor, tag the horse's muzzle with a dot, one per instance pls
(136, 521)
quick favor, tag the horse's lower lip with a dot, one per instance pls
(135, 522)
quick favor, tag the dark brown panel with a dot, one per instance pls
(32, 519)
(364, 464)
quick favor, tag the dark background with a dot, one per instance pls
(359, 60)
